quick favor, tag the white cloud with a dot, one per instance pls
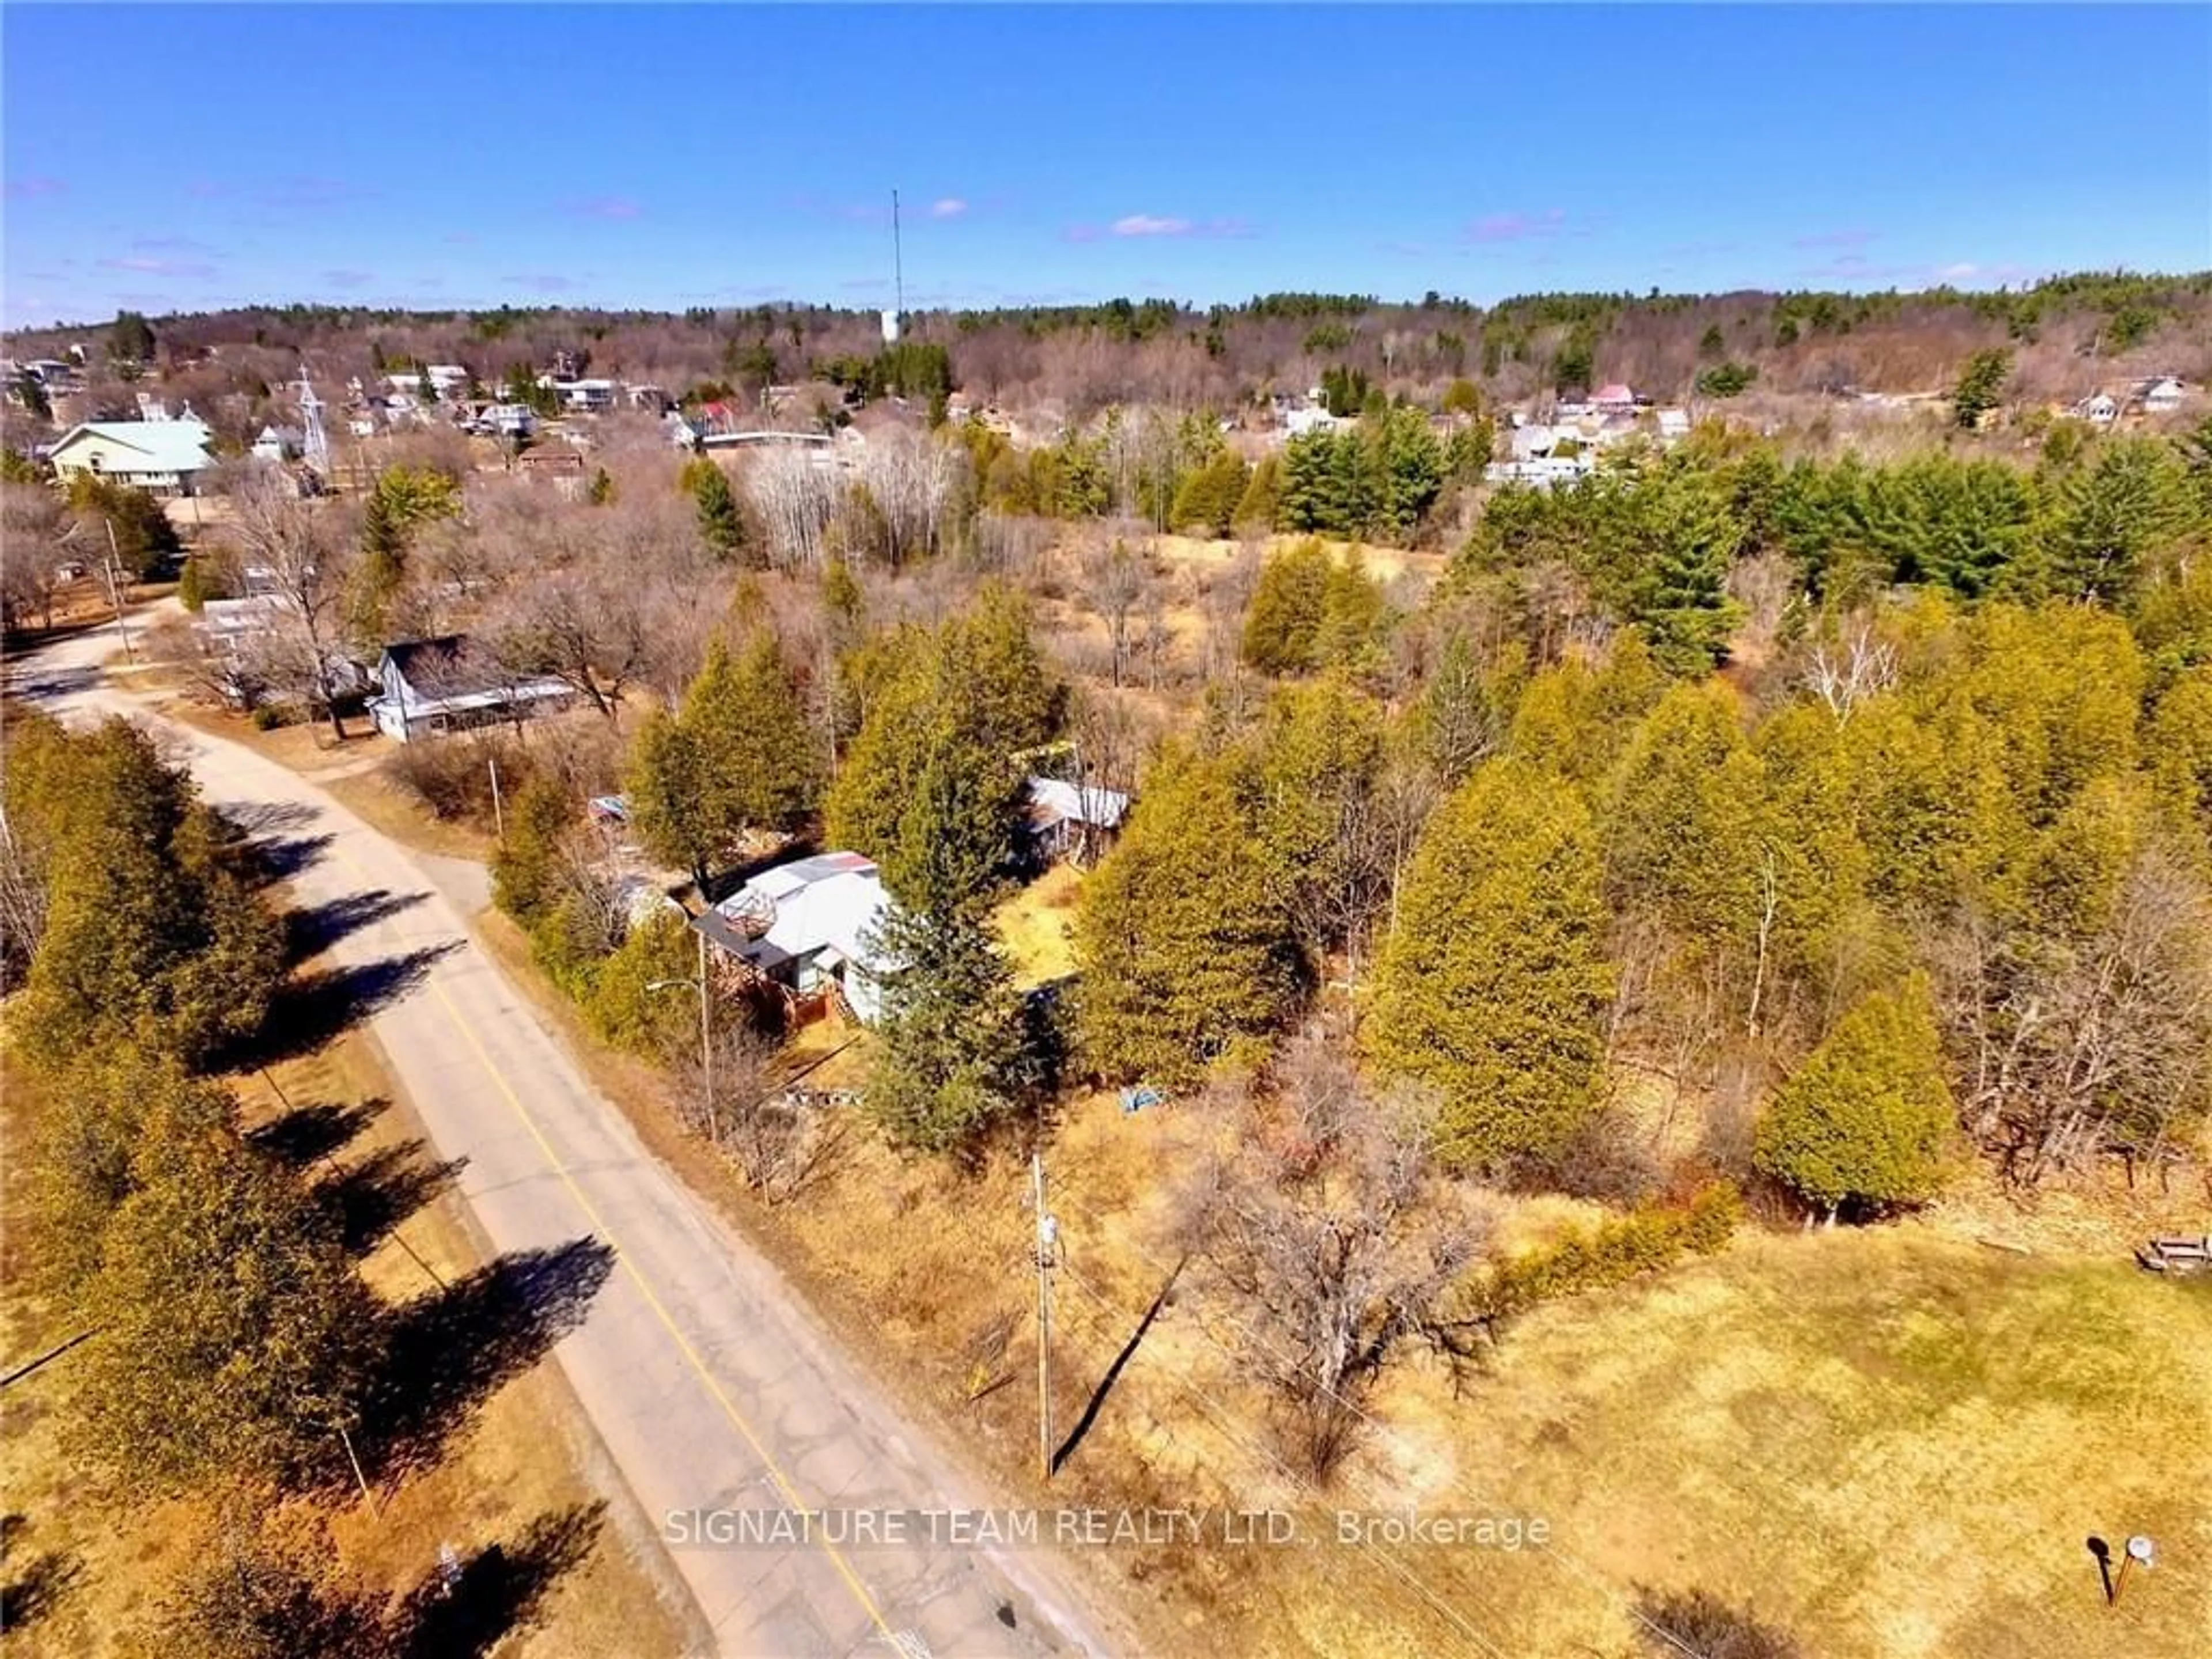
(947, 207)
(1145, 224)
(146, 267)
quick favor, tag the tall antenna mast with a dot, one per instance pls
(316, 445)
(894, 317)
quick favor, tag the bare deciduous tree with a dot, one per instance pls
(1324, 1224)
(33, 522)
(1114, 582)
(796, 499)
(1849, 665)
(2080, 1045)
(781, 1138)
(586, 627)
(300, 552)
(908, 476)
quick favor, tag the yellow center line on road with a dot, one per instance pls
(783, 1485)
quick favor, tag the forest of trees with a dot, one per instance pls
(235, 1357)
(2061, 336)
(1895, 775)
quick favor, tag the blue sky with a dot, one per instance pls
(171, 157)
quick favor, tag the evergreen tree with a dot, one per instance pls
(1207, 502)
(1575, 720)
(1575, 367)
(721, 521)
(1184, 946)
(974, 696)
(840, 591)
(1981, 387)
(1680, 598)
(131, 337)
(152, 936)
(952, 1058)
(1260, 506)
(2112, 519)
(623, 1013)
(1408, 467)
(1283, 623)
(1684, 833)
(1493, 988)
(1315, 775)
(1349, 634)
(1466, 706)
(736, 756)
(235, 1336)
(1865, 1121)
(90, 1120)
(191, 587)
(525, 866)
(1466, 454)
(403, 500)
(145, 541)
(2180, 747)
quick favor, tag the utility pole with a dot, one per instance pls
(706, 1033)
(1048, 1249)
(360, 1479)
(498, 807)
(114, 568)
(707, 1045)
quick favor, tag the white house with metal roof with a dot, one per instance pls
(1076, 821)
(163, 456)
(809, 926)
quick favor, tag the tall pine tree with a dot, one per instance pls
(1493, 988)
(1183, 941)
(736, 756)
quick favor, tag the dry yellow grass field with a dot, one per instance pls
(1036, 927)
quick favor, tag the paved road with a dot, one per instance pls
(708, 1383)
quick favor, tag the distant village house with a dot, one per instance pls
(431, 686)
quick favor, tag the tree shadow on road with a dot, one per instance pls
(283, 856)
(313, 929)
(314, 1009)
(447, 1352)
(252, 819)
